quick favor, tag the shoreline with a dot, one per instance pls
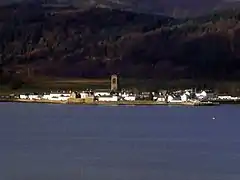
(117, 103)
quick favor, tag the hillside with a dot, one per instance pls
(67, 42)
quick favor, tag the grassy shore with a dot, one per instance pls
(133, 103)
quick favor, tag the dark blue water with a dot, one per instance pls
(64, 142)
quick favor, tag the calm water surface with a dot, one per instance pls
(64, 142)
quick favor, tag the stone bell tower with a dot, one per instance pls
(114, 83)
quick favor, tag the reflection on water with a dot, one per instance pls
(64, 142)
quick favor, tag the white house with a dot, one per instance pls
(169, 98)
(124, 94)
(30, 96)
(23, 96)
(201, 95)
(60, 94)
(129, 98)
(33, 97)
(84, 95)
(187, 93)
(102, 93)
(108, 98)
(173, 99)
(46, 96)
(184, 97)
(60, 98)
(228, 98)
(57, 96)
(161, 98)
(205, 94)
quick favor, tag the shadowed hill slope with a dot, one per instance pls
(97, 42)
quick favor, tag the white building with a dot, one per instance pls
(108, 98)
(161, 99)
(57, 96)
(169, 98)
(34, 97)
(201, 95)
(129, 98)
(228, 98)
(187, 93)
(23, 96)
(46, 96)
(184, 97)
(173, 99)
(84, 95)
(205, 94)
(30, 96)
(102, 93)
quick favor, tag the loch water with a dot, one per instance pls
(72, 142)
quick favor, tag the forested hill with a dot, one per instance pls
(67, 42)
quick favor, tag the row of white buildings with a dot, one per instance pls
(178, 96)
(64, 96)
(50, 96)
(188, 95)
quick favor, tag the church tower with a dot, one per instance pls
(114, 83)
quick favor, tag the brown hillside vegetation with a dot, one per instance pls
(98, 42)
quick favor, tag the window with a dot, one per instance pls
(114, 81)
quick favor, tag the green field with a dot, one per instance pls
(54, 84)
(43, 84)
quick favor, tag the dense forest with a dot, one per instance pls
(67, 42)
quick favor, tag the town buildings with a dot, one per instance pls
(114, 94)
(108, 96)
